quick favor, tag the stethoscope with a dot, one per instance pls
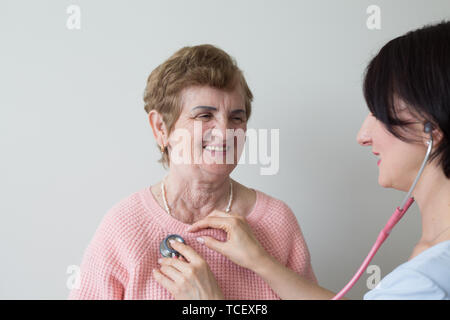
(167, 251)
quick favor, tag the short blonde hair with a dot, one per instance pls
(190, 66)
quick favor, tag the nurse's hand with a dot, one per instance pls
(187, 279)
(241, 246)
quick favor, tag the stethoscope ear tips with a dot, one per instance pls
(166, 250)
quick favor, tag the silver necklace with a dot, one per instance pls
(166, 206)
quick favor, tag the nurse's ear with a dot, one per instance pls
(159, 128)
(437, 136)
(435, 132)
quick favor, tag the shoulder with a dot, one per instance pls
(277, 207)
(436, 254)
(277, 225)
(125, 215)
(259, 204)
(274, 210)
(123, 230)
(434, 263)
(407, 284)
(423, 277)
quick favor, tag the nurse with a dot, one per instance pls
(406, 85)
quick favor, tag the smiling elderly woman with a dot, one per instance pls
(198, 92)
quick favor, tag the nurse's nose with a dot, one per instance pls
(364, 136)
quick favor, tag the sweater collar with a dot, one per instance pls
(172, 225)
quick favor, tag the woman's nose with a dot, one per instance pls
(364, 137)
(220, 129)
(224, 124)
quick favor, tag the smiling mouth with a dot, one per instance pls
(379, 160)
(222, 148)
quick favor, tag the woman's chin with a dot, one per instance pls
(217, 164)
(383, 182)
(388, 183)
(218, 169)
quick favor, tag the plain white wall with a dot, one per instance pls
(75, 137)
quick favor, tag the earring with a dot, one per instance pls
(162, 149)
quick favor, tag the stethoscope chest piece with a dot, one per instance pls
(166, 250)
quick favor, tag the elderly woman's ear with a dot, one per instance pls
(158, 127)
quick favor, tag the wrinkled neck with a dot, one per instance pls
(193, 198)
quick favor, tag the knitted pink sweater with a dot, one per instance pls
(118, 262)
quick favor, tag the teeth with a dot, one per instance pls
(215, 148)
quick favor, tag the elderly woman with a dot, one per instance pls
(193, 100)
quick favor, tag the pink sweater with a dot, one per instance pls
(119, 260)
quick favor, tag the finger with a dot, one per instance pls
(218, 213)
(213, 244)
(222, 214)
(215, 213)
(211, 222)
(172, 273)
(164, 281)
(181, 258)
(178, 263)
(187, 251)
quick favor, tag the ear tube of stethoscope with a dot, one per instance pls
(398, 214)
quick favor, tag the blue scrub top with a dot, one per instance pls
(424, 277)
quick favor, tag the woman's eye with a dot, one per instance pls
(238, 119)
(204, 116)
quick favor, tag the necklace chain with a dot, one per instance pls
(166, 206)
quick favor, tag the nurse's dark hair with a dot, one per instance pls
(414, 68)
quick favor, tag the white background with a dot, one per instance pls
(75, 139)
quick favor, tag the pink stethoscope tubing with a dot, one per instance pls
(398, 214)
